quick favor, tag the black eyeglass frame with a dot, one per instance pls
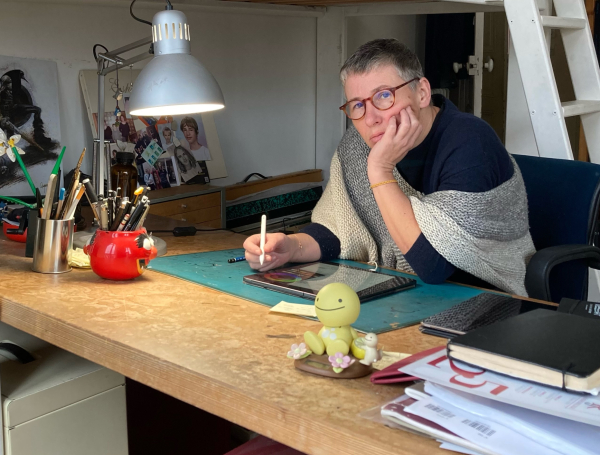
(393, 90)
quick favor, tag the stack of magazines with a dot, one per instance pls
(474, 411)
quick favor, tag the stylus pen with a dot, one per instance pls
(232, 260)
(263, 234)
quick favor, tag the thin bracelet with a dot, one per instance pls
(385, 182)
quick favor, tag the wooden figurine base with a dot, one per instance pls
(319, 365)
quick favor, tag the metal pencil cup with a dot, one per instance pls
(53, 241)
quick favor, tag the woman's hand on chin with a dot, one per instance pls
(393, 146)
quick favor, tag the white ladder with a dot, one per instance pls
(547, 113)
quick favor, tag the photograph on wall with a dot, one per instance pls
(189, 131)
(29, 108)
(167, 131)
(167, 171)
(152, 152)
(88, 80)
(117, 128)
(191, 171)
(198, 135)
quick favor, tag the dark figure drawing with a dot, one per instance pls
(16, 109)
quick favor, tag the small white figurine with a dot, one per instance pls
(372, 354)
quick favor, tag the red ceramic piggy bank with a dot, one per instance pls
(120, 255)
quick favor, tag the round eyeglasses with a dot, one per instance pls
(382, 100)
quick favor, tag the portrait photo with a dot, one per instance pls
(167, 172)
(190, 170)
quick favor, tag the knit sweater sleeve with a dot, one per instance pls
(328, 243)
(427, 263)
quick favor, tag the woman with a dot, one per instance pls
(189, 169)
(149, 180)
(124, 128)
(415, 185)
(163, 175)
(189, 128)
(156, 178)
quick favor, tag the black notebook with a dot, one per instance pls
(543, 346)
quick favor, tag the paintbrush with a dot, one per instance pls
(72, 189)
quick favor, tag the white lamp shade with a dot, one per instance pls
(175, 84)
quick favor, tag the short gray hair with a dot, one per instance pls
(380, 52)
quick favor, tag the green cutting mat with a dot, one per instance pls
(386, 313)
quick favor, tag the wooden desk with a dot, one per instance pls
(214, 351)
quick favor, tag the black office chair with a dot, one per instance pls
(564, 198)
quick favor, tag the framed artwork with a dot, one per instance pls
(29, 108)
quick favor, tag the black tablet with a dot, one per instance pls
(307, 280)
(479, 311)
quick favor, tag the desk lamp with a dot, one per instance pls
(173, 82)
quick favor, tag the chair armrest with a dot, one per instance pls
(541, 264)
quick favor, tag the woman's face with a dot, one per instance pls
(373, 125)
(190, 134)
(182, 156)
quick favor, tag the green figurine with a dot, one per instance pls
(337, 307)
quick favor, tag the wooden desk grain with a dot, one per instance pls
(214, 351)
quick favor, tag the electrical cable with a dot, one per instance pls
(189, 230)
(137, 18)
(94, 50)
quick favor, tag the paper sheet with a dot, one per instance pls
(395, 412)
(483, 433)
(455, 448)
(459, 376)
(297, 309)
(551, 431)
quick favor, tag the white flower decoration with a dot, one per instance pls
(7, 144)
(298, 351)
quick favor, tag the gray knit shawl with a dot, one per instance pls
(485, 234)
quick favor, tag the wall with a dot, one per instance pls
(265, 65)
(409, 29)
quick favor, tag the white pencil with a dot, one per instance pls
(263, 234)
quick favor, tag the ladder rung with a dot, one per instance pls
(563, 22)
(572, 108)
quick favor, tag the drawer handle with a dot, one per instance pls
(183, 206)
(183, 219)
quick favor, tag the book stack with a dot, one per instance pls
(526, 385)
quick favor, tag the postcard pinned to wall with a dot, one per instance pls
(152, 152)
(195, 134)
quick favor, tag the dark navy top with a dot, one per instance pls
(461, 152)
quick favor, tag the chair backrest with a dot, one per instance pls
(564, 198)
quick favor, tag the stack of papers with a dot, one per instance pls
(474, 411)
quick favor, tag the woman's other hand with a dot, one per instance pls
(279, 249)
